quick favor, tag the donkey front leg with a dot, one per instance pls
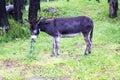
(55, 46)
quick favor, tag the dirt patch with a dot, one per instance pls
(26, 69)
(117, 50)
(65, 78)
(60, 64)
(35, 77)
(10, 63)
(2, 78)
(75, 57)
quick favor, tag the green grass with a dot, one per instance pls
(102, 64)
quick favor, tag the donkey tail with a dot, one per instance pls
(91, 34)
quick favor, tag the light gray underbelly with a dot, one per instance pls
(69, 35)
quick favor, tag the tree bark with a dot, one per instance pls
(67, 0)
(22, 4)
(48, 0)
(98, 1)
(113, 8)
(26, 2)
(18, 10)
(3, 15)
(34, 6)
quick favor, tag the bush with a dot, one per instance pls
(16, 31)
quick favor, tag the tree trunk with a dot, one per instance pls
(17, 11)
(22, 4)
(26, 2)
(113, 8)
(3, 15)
(48, 0)
(67, 0)
(98, 1)
(33, 9)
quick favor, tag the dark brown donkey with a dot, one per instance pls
(64, 27)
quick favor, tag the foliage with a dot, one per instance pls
(16, 31)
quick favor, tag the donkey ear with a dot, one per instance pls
(40, 18)
(26, 20)
(31, 22)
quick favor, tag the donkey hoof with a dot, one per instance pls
(52, 55)
(89, 52)
(85, 54)
(57, 55)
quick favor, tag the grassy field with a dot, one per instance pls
(102, 64)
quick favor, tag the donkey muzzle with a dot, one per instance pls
(33, 37)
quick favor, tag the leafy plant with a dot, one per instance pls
(16, 31)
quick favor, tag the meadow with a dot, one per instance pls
(102, 64)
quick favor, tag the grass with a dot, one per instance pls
(102, 64)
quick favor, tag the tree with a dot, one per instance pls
(34, 6)
(18, 11)
(22, 4)
(113, 8)
(98, 1)
(3, 15)
(67, 0)
(48, 0)
(26, 2)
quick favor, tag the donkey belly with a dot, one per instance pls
(69, 35)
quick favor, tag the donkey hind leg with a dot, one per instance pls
(55, 46)
(88, 43)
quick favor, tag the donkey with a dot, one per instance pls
(64, 27)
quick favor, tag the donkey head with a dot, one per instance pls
(34, 29)
(37, 26)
